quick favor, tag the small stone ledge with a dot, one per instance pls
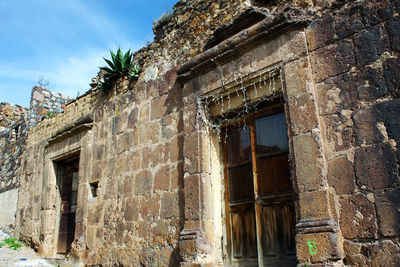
(225, 51)
(316, 226)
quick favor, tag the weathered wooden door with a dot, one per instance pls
(260, 201)
(68, 189)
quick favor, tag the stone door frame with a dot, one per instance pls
(56, 150)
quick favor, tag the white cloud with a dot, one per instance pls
(74, 74)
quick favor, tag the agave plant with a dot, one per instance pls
(120, 65)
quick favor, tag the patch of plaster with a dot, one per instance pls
(150, 73)
(379, 62)
(381, 127)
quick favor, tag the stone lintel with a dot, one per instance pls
(265, 30)
(69, 132)
(84, 119)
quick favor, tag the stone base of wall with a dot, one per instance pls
(8, 207)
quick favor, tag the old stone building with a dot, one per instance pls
(260, 133)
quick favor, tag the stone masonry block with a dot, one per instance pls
(131, 212)
(162, 178)
(189, 118)
(393, 26)
(320, 32)
(332, 60)
(357, 217)
(348, 23)
(120, 123)
(176, 175)
(191, 153)
(177, 148)
(376, 167)
(124, 142)
(48, 198)
(336, 94)
(149, 133)
(159, 107)
(144, 113)
(370, 45)
(314, 205)
(132, 118)
(302, 112)
(150, 206)
(318, 247)
(384, 253)
(95, 213)
(387, 205)
(341, 175)
(338, 132)
(388, 112)
(298, 78)
(143, 183)
(48, 222)
(307, 154)
(365, 127)
(391, 70)
(192, 197)
(170, 125)
(91, 236)
(170, 205)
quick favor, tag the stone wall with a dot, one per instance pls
(158, 169)
(354, 52)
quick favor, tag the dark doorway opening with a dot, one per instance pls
(67, 181)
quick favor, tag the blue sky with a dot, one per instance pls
(64, 41)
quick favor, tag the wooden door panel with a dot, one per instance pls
(244, 236)
(278, 231)
(269, 220)
(288, 222)
(273, 174)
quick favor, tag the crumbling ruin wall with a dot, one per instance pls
(158, 202)
(45, 103)
(12, 139)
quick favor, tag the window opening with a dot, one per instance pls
(93, 189)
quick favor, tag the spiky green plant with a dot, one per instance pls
(120, 65)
